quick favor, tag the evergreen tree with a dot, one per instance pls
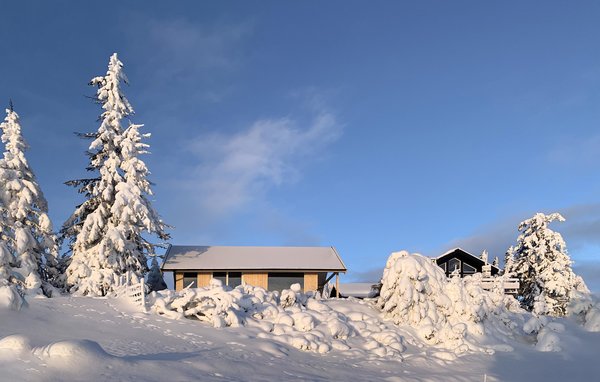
(496, 262)
(541, 263)
(105, 231)
(155, 278)
(28, 230)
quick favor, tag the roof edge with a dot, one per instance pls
(339, 258)
(166, 256)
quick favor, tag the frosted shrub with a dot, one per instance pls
(415, 292)
(543, 266)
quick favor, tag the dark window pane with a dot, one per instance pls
(220, 276)
(281, 281)
(190, 279)
(235, 279)
(468, 270)
(453, 264)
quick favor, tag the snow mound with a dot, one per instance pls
(455, 313)
(10, 298)
(583, 307)
(81, 352)
(15, 343)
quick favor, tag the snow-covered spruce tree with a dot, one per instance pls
(105, 231)
(155, 278)
(540, 261)
(29, 233)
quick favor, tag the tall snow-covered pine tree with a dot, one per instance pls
(540, 261)
(29, 236)
(105, 232)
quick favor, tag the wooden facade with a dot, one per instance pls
(313, 281)
(256, 279)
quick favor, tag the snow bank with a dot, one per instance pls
(583, 307)
(81, 352)
(69, 355)
(455, 313)
(15, 344)
(300, 320)
(10, 298)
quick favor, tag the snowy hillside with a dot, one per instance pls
(82, 338)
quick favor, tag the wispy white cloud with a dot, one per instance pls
(237, 169)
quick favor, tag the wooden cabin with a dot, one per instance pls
(272, 268)
(464, 262)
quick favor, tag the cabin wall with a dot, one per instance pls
(178, 280)
(203, 279)
(256, 279)
(311, 282)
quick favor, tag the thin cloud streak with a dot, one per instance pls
(580, 230)
(237, 169)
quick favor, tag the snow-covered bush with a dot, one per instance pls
(542, 264)
(10, 297)
(415, 292)
(583, 308)
(298, 319)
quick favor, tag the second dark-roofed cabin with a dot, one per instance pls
(464, 262)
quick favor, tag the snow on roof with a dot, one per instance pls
(357, 289)
(179, 257)
(462, 250)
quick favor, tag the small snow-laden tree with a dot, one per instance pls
(96, 262)
(484, 256)
(543, 266)
(509, 262)
(156, 281)
(496, 262)
(30, 236)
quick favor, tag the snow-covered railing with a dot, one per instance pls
(510, 286)
(137, 293)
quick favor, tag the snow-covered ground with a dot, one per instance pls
(82, 338)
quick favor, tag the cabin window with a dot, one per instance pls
(220, 276)
(468, 270)
(281, 281)
(453, 264)
(190, 280)
(235, 279)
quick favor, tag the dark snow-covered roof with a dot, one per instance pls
(456, 251)
(180, 257)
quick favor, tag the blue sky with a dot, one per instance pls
(372, 127)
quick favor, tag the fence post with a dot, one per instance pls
(143, 286)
